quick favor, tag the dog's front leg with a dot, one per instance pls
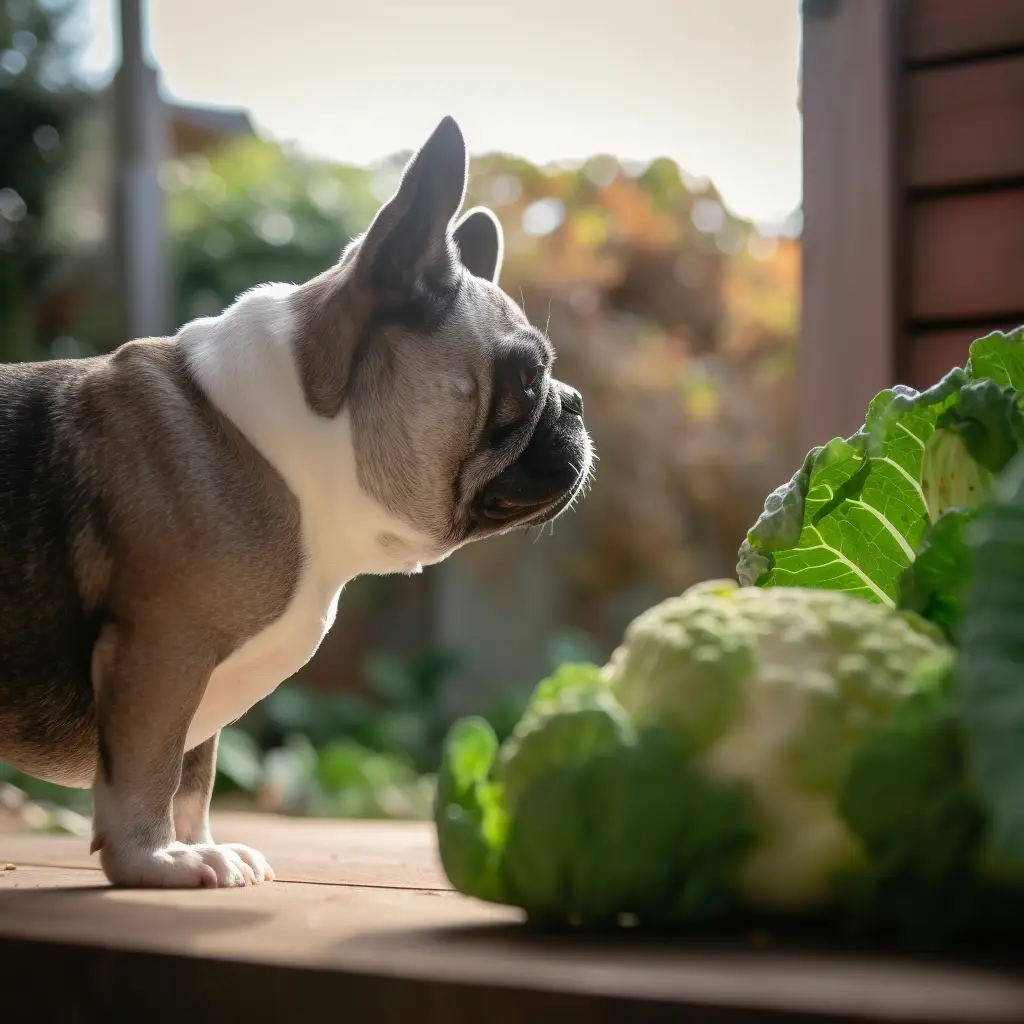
(148, 684)
(192, 806)
(192, 800)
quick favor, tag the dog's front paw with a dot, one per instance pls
(179, 866)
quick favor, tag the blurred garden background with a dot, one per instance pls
(673, 307)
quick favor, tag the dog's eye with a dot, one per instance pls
(530, 379)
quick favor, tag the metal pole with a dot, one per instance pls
(140, 148)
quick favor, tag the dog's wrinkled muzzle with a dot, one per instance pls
(542, 482)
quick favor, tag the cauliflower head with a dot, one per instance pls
(776, 690)
(699, 771)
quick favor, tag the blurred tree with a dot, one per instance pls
(676, 321)
(38, 101)
(253, 213)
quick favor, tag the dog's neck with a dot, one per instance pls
(245, 362)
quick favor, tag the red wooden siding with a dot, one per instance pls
(965, 123)
(940, 29)
(966, 257)
(961, 178)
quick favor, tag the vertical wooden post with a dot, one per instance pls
(850, 98)
(140, 147)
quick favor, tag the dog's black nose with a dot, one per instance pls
(572, 400)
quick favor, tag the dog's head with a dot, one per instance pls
(458, 425)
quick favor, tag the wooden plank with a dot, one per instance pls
(374, 853)
(938, 29)
(297, 952)
(930, 355)
(965, 258)
(847, 339)
(965, 123)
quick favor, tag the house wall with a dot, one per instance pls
(962, 156)
(913, 194)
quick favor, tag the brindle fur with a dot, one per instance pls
(127, 503)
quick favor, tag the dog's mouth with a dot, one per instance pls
(544, 481)
(503, 513)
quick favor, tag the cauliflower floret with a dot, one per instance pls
(775, 689)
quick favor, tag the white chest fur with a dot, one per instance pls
(260, 664)
(245, 364)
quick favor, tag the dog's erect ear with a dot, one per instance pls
(411, 236)
(481, 243)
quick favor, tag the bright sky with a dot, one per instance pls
(710, 83)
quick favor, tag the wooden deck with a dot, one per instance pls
(362, 926)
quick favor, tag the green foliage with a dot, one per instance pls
(44, 806)
(935, 584)
(253, 213)
(37, 105)
(634, 829)
(855, 514)
(341, 779)
(622, 827)
(399, 711)
(992, 641)
(908, 800)
(988, 419)
(472, 825)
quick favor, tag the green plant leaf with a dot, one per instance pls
(988, 418)
(908, 800)
(469, 815)
(999, 356)
(634, 828)
(935, 584)
(992, 648)
(859, 521)
(854, 515)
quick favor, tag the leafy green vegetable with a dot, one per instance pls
(992, 649)
(855, 514)
(852, 518)
(908, 801)
(554, 733)
(988, 418)
(935, 584)
(634, 830)
(810, 744)
(697, 774)
(814, 672)
(470, 820)
(950, 477)
(998, 357)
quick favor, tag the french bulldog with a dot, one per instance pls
(178, 517)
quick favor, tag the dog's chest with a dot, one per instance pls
(265, 660)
